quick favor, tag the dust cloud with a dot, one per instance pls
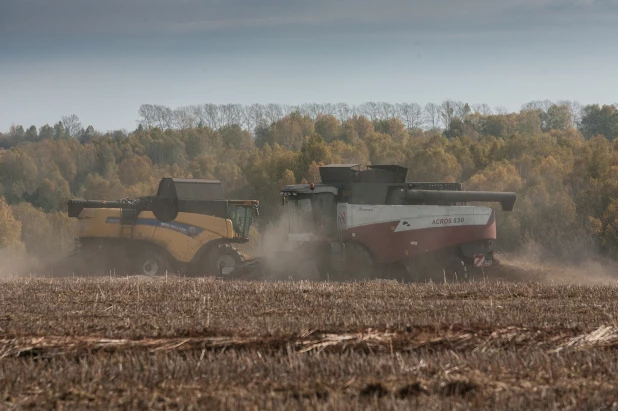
(528, 264)
(24, 264)
(279, 258)
(532, 264)
(17, 264)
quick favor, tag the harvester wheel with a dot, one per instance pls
(408, 272)
(358, 262)
(224, 260)
(152, 264)
(455, 269)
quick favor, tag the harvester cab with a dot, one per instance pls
(309, 211)
(188, 226)
(358, 219)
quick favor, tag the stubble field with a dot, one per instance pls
(199, 343)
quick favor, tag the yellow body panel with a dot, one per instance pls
(182, 238)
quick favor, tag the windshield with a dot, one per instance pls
(300, 213)
(241, 217)
(313, 213)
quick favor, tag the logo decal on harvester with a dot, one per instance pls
(185, 229)
(447, 221)
(408, 218)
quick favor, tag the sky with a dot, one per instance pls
(101, 59)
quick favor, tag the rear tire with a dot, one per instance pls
(224, 261)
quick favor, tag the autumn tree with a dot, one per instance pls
(556, 118)
(433, 164)
(167, 151)
(18, 175)
(344, 153)
(52, 193)
(362, 126)
(500, 176)
(393, 127)
(202, 141)
(96, 187)
(600, 121)
(135, 170)
(36, 231)
(456, 128)
(235, 137)
(10, 229)
(31, 134)
(379, 146)
(263, 170)
(314, 150)
(289, 132)
(529, 122)
(328, 127)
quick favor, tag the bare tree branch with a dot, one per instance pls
(432, 115)
(447, 113)
(410, 114)
(482, 109)
(370, 110)
(72, 125)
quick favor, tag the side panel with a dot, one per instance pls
(394, 233)
(182, 238)
(91, 223)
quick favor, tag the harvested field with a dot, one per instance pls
(198, 343)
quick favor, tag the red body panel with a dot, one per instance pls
(388, 246)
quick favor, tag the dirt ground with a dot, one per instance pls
(201, 343)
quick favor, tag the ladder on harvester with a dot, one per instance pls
(128, 219)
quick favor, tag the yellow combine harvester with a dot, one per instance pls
(187, 227)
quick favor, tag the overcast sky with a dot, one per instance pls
(101, 59)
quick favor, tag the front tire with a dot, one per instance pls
(152, 264)
(224, 261)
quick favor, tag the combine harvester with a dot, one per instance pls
(188, 227)
(368, 223)
(357, 224)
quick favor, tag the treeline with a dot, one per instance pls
(560, 158)
(456, 117)
(552, 115)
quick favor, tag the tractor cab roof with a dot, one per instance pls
(306, 189)
(354, 173)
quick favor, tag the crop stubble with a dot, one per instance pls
(169, 343)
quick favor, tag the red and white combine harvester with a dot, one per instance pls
(369, 222)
